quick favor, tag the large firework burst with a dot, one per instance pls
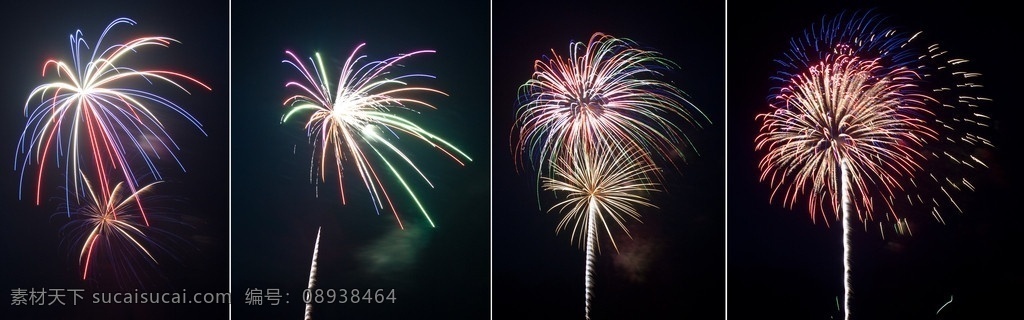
(361, 120)
(855, 88)
(98, 118)
(866, 119)
(594, 124)
(606, 91)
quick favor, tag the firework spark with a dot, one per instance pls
(96, 119)
(606, 91)
(108, 229)
(602, 187)
(360, 120)
(860, 110)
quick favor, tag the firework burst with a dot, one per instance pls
(603, 186)
(593, 124)
(606, 91)
(109, 233)
(854, 88)
(845, 109)
(95, 118)
(361, 120)
(866, 119)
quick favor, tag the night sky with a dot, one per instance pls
(780, 264)
(437, 272)
(714, 248)
(33, 254)
(674, 265)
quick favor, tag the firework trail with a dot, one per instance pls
(111, 226)
(359, 120)
(95, 117)
(859, 110)
(606, 91)
(312, 276)
(944, 305)
(845, 185)
(602, 186)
